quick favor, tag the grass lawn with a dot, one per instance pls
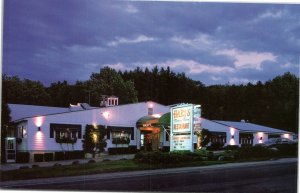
(92, 168)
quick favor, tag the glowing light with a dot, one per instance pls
(232, 130)
(156, 115)
(105, 115)
(38, 121)
(260, 135)
(95, 125)
(38, 141)
(95, 137)
(150, 105)
(232, 142)
(287, 136)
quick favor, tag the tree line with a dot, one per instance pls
(273, 103)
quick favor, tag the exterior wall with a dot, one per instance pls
(123, 115)
(216, 127)
(259, 138)
(287, 136)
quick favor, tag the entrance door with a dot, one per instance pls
(10, 149)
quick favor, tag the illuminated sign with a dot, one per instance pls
(182, 117)
(181, 142)
(184, 120)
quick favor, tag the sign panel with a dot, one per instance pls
(181, 142)
(182, 118)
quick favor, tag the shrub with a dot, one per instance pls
(165, 149)
(48, 157)
(59, 156)
(120, 150)
(74, 155)
(132, 149)
(56, 165)
(231, 147)
(23, 167)
(215, 146)
(91, 161)
(255, 152)
(38, 157)
(75, 162)
(22, 157)
(205, 154)
(287, 149)
(246, 145)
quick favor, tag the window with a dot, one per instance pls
(120, 137)
(65, 131)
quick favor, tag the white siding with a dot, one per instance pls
(123, 115)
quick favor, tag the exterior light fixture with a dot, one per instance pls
(39, 128)
(232, 136)
(105, 115)
(260, 138)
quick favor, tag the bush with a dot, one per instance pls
(122, 150)
(255, 152)
(204, 154)
(22, 157)
(38, 157)
(48, 157)
(165, 149)
(59, 155)
(246, 145)
(132, 149)
(287, 149)
(91, 161)
(215, 146)
(231, 147)
(74, 155)
(75, 162)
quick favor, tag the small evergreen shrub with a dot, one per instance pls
(59, 156)
(22, 157)
(38, 157)
(48, 157)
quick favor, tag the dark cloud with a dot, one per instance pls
(51, 40)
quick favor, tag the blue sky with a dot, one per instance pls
(216, 43)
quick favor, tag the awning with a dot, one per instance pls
(165, 120)
(147, 121)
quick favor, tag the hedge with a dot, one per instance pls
(38, 157)
(22, 157)
(48, 157)
(122, 150)
(74, 155)
(59, 155)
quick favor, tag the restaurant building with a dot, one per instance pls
(38, 128)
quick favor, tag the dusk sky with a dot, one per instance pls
(216, 43)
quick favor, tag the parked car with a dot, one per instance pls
(274, 141)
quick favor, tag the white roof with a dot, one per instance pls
(250, 127)
(213, 126)
(19, 111)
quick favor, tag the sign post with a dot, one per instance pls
(185, 119)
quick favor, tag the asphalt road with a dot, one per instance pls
(244, 178)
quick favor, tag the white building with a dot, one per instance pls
(37, 127)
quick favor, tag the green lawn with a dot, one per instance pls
(92, 168)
